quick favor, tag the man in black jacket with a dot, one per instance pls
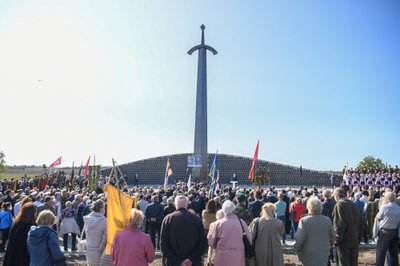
(346, 223)
(154, 215)
(183, 238)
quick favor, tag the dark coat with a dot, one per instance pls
(255, 208)
(182, 237)
(169, 209)
(327, 208)
(17, 252)
(45, 207)
(347, 224)
(154, 212)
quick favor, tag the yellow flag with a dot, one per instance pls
(119, 207)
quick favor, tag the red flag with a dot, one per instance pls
(87, 167)
(56, 162)
(255, 159)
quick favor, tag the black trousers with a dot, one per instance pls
(155, 228)
(387, 240)
(73, 242)
(4, 238)
(347, 257)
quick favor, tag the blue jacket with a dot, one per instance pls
(43, 247)
(5, 219)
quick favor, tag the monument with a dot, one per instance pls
(200, 131)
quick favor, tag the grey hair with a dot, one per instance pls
(220, 214)
(327, 194)
(228, 207)
(314, 205)
(390, 196)
(181, 201)
(170, 200)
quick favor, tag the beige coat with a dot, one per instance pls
(268, 247)
(208, 218)
(314, 238)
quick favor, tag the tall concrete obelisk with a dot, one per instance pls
(200, 132)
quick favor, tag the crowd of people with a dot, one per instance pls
(189, 227)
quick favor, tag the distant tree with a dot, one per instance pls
(370, 164)
(2, 162)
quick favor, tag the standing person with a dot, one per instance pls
(241, 210)
(315, 235)
(131, 246)
(256, 205)
(170, 208)
(155, 215)
(142, 205)
(371, 210)
(328, 204)
(297, 210)
(95, 229)
(211, 252)
(267, 233)
(226, 237)
(69, 225)
(42, 241)
(17, 251)
(6, 221)
(47, 205)
(208, 215)
(346, 224)
(280, 207)
(183, 239)
(389, 222)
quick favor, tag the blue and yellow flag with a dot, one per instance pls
(213, 175)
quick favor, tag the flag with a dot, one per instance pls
(253, 164)
(168, 173)
(87, 167)
(212, 175)
(72, 176)
(80, 169)
(119, 207)
(217, 182)
(346, 176)
(56, 162)
(189, 183)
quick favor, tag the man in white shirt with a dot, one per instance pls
(388, 218)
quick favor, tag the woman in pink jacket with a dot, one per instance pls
(131, 246)
(226, 237)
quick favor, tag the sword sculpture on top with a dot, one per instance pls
(200, 132)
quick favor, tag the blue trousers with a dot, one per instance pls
(283, 219)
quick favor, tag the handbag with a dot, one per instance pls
(82, 242)
(248, 248)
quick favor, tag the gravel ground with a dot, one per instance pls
(366, 257)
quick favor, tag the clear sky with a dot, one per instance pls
(318, 82)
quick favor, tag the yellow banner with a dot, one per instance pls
(119, 207)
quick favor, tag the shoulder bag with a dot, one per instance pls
(248, 248)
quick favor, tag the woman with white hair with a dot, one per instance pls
(315, 235)
(95, 229)
(131, 246)
(226, 237)
(267, 233)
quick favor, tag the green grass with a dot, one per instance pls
(8, 176)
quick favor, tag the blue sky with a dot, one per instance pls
(316, 81)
